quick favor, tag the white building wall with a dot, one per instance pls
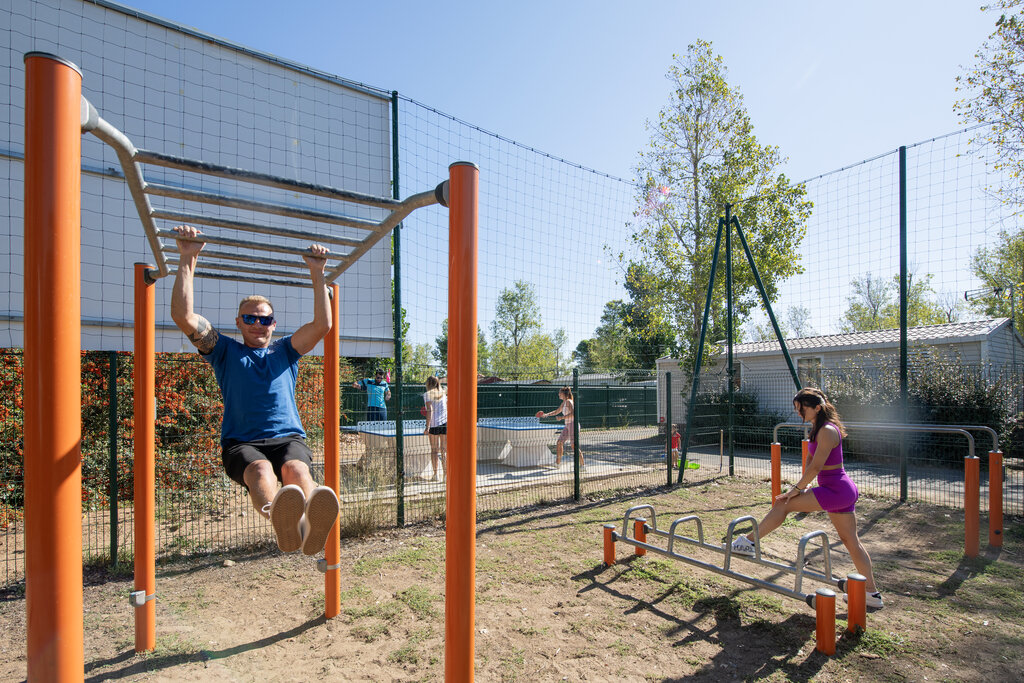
(170, 89)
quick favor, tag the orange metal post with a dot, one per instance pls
(639, 534)
(825, 621)
(972, 505)
(145, 459)
(460, 535)
(53, 380)
(804, 454)
(332, 454)
(856, 595)
(776, 471)
(609, 545)
(995, 499)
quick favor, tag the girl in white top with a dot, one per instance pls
(436, 403)
(567, 412)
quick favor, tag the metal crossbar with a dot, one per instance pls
(799, 569)
(267, 270)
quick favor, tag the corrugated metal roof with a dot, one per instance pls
(948, 333)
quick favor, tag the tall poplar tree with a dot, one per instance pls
(703, 154)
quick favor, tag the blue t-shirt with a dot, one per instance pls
(374, 392)
(258, 387)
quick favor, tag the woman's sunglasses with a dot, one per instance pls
(265, 320)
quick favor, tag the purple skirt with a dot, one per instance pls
(835, 491)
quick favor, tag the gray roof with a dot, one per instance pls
(948, 333)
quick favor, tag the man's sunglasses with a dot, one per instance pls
(265, 320)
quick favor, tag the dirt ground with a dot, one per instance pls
(547, 610)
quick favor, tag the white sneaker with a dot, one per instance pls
(285, 512)
(873, 600)
(741, 545)
(321, 513)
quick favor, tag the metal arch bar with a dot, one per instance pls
(191, 218)
(408, 205)
(629, 515)
(801, 551)
(169, 161)
(126, 152)
(174, 192)
(672, 531)
(792, 425)
(943, 429)
(896, 426)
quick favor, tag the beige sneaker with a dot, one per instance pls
(321, 513)
(285, 512)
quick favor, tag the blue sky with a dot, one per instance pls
(830, 83)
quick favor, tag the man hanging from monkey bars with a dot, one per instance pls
(262, 438)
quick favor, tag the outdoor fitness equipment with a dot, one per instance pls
(972, 477)
(56, 115)
(823, 600)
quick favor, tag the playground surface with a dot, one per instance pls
(547, 610)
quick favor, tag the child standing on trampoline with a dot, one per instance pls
(835, 493)
(436, 404)
(567, 412)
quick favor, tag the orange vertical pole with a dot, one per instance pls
(145, 461)
(972, 505)
(805, 452)
(856, 596)
(825, 621)
(332, 454)
(460, 534)
(995, 499)
(609, 545)
(53, 378)
(776, 471)
(640, 534)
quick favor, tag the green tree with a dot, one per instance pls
(875, 304)
(999, 267)
(703, 154)
(620, 342)
(796, 324)
(416, 362)
(516, 318)
(994, 88)
(440, 350)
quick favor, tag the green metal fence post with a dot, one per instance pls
(396, 254)
(700, 354)
(576, 434)
(668, 426)
(767, 304)
(728, 335)
(112, 447)
(904, 389)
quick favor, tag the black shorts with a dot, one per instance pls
(237, 455)
(443, 429)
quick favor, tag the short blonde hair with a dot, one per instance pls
(254, 299)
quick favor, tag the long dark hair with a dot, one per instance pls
(811, 398)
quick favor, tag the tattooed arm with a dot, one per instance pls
(197, 328)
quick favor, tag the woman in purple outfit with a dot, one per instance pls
(835, 493)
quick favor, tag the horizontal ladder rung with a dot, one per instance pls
(143, 156)
(195, 218)
(174, 192)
